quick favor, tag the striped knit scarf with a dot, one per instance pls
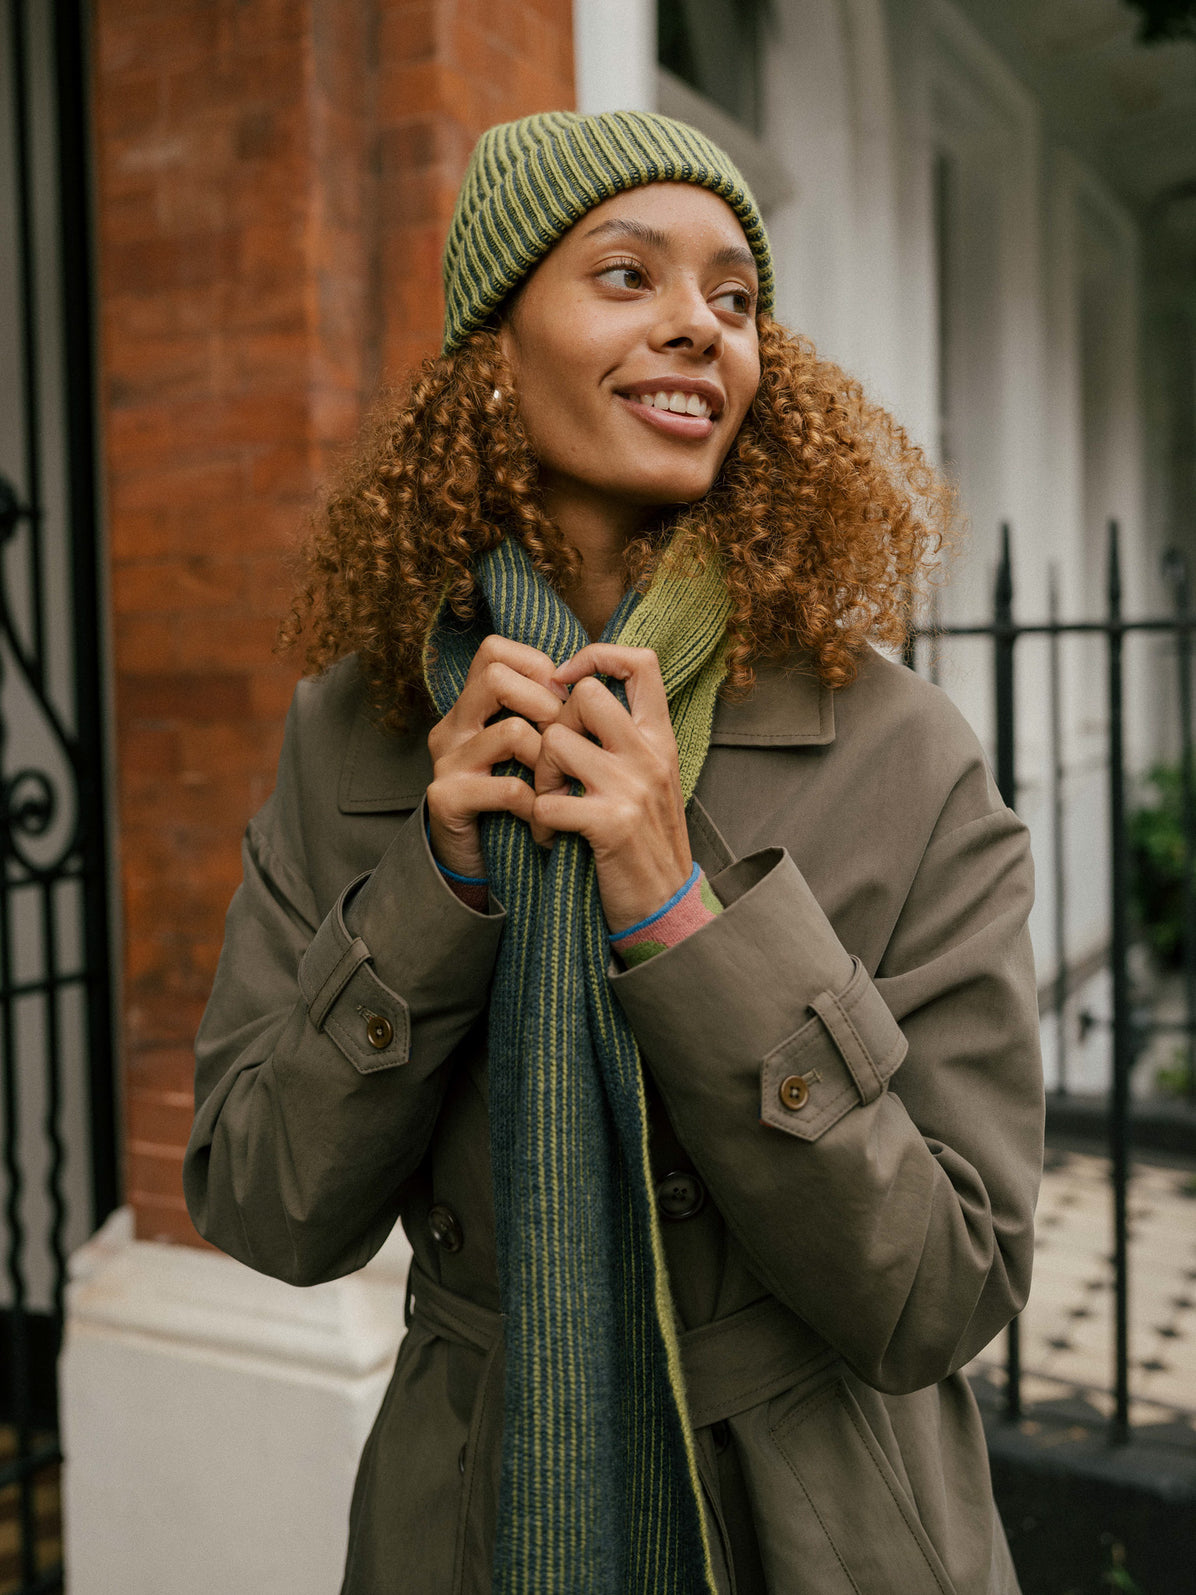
(600, 1492)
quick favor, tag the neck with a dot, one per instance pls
(600, 532)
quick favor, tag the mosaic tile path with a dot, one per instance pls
(1067, 1327)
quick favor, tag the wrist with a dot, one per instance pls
(472, 874)
(685, 912)
(458, 859)
(618, 930)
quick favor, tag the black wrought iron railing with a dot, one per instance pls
(1127, 1025)
(58, 1148)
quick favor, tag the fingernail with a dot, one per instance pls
(561, 690)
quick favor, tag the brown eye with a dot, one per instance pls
(624, 276)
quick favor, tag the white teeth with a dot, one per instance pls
(678, 403)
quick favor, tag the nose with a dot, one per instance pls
(686, 322)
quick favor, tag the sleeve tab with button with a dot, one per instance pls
(840, 1058)
(368, 1021)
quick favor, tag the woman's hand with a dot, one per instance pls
(631, 811)
(464, 747)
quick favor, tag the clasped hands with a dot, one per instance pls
(631, 810)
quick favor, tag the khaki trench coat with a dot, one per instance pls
(846, 1102)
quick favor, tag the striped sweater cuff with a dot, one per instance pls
(694, 906)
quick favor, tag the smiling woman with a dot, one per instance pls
(630, 929)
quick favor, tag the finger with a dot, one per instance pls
(511, 738)
(490, 794)
(526, 661)
(566, 757)
(521, 656)
(637, 668)
(569, 757)
(557, 811)
(499, 685)
(594, 710)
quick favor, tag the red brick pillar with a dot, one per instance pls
(274, 181)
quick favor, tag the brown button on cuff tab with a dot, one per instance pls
(379, 1032)
(445, 1228)
(680, 1195)
(793, 1092)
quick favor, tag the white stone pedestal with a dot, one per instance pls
(212, 1418)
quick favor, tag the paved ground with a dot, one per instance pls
(1067, 1327)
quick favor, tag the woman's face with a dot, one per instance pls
(633, 348)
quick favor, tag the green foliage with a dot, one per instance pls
(1156, 840)
(1115, 1575)
(1171, 1080)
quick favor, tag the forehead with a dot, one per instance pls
(671, 217)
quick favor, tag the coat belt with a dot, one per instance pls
(731, 1364)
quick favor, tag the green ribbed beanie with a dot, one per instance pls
(528, 182)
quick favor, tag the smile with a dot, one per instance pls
(678, 403)
(683, 415)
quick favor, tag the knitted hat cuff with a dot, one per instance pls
(528, 182)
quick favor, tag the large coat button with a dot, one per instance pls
(794, 1093)
(446, 1229)
(379, 1031)
(680, 1195)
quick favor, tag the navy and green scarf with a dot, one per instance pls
(600, 1492)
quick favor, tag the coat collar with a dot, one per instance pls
(788, 708)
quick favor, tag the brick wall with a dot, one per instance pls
(274, 181)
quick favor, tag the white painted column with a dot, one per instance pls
(614, 54)
(212, 1418)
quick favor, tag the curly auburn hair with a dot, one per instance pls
(826, 515)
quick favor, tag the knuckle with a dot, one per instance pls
(659, 767)
(625, 817)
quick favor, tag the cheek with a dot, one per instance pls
(746, 388)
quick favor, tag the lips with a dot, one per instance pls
(680, 407)
(694, 427)
(677, 395)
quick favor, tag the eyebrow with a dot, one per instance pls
(729, 255)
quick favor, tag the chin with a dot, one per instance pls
(678, 488)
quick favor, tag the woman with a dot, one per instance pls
(661, 947)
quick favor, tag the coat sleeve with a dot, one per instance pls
(874, 1143)
(320, 1057)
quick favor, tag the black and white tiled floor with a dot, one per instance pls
(1067, 1326)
